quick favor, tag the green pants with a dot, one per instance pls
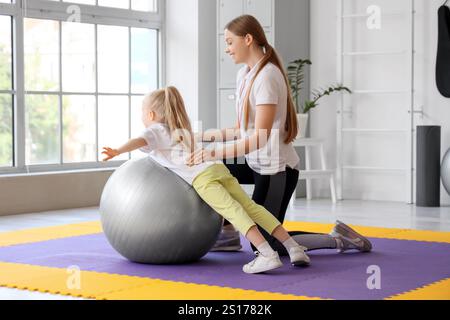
(222, 192)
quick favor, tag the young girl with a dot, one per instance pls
(168, 138)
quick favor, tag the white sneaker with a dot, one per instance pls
(299, 257)
(263, 263)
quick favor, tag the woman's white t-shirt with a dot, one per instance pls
(169, 154)
(269, 88)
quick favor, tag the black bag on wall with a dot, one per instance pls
(443, 55)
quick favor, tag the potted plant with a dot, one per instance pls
(296, 79)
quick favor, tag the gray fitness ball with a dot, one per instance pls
(151, 215)
(445, 171)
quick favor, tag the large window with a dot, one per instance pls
(72, 78)
(6, 93)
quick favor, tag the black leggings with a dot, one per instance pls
(273, 192)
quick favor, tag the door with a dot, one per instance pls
(227, 109)
(229, 9)
(227, 68)
(261, 10)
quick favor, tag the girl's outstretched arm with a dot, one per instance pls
(131, 145)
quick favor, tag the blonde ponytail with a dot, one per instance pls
(169, 105)
(177, 119)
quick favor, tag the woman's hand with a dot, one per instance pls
(201, 155)
(110, 153)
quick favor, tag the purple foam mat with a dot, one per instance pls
(404, 265)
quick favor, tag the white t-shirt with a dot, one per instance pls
(269, 88)
(169, 154)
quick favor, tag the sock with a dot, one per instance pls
(290, 243)
(265, 249)
(339, 243)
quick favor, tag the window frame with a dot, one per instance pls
(97, 15)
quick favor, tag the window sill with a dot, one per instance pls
(59, 172)
(57, 169)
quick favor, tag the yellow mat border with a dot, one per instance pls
(94, 227)
(49, 233)
(107, 286)
(375, 232)
(439, 290)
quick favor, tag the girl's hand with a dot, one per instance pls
(110, 153)
(199, 156)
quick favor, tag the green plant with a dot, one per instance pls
(317, 94)
(296, 79)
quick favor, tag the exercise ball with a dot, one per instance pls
(445, 171)
(151, 215)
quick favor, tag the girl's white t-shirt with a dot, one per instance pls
(269, 88)
(169, 154)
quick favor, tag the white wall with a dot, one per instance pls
(207, 87)
(190, 56)
(182, 50)
(323, 54)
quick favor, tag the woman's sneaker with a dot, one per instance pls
(263, 263)
(227, 241)
(348, 239)
(298, 257)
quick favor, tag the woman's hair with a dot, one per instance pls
(168, 104)
(247, 24)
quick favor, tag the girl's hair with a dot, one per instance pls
(247, 24)
(169, 105)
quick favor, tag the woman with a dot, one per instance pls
(265, 129)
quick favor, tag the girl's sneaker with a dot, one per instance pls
(263, 263)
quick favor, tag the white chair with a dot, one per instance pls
(309, 174)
